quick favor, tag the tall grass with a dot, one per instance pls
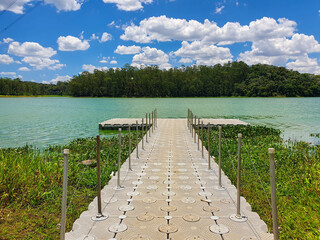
(297, 177)
(31, 185)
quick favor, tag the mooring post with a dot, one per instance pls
(220, 133)
(142, 129)
(64, 194)
(198, 134)
(147, 127)
(119, 160)
(129, 129)
(239, 176)
(202, 139)
(195, 125)
(209, 162)
(137, 140)
(273, 194)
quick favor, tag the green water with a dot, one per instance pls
(43, 121)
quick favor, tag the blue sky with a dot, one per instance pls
(52, 40)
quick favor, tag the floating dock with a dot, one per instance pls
(123, 123)
(170, 194)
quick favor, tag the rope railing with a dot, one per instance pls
(258, 175)
(99, 153)
(211, 140)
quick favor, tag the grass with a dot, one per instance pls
(31, 181)
(297, 177)
(31, 185)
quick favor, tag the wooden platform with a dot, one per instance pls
(123, 123)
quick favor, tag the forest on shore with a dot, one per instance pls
(231, 79)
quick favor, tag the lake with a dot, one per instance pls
(56, 120)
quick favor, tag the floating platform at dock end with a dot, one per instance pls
(123, 123)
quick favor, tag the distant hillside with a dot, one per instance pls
(232, 79)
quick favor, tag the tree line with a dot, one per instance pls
(231, 79)
(16, 87)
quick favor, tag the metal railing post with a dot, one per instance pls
(147, 125)
(137, 140)
(220, 133)
(150, 125)
(273, 194)
(129, 129)
(99, 216)
(238, 217)
(142, 129)
(191, 124)
(202, 139)
(239, 175)
(209, 162)
(152, 120)
(64, 195)
(198, 134)
(119, 160)
(195, 125)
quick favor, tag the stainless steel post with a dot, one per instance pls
(142, 129)
(220, 133)
(137, 140)
(119, 159)
(209, 162)
(129, 128)
(150, 125)
(239, 176)
(202, 139)
(195, 124)
(152, 120)
(98, 177)
(198, 134)
(64, 194)
(191, 124)
(273, 194)
(147, 125)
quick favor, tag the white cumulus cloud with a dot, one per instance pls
(39, 63)
(167, 29)
(61, 5)
(279, 50)
(121, 49)
(24, 69)
(129, 5)
(71, 43)
(305, 64)
(30, 49)
(203, 53)
(60, 79)
(106, 37)
(151, 56)
(35, 55)
(113, 62)
(90, 68)
(65, 5)
(6, 59)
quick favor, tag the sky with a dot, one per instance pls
(52, 40)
